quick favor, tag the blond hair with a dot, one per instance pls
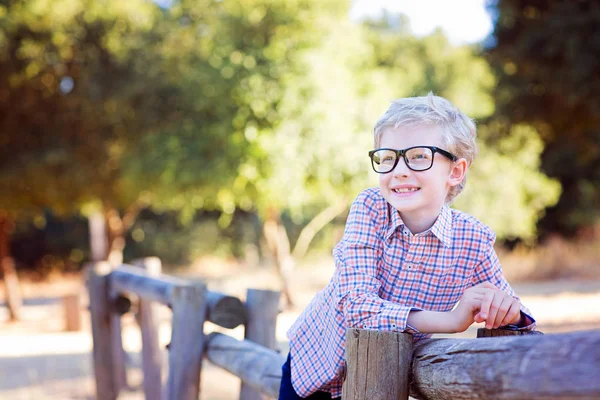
(458, 131)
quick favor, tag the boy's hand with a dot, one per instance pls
(497, 308)
(485, 302)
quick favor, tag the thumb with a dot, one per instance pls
(478, 318)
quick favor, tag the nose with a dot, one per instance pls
(401, 168)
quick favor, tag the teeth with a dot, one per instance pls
(406, 190)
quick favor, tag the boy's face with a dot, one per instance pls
(419, 195)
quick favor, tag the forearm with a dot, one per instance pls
(432, 321)
(368, 311)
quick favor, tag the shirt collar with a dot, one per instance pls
(395, 219)
(442, 227)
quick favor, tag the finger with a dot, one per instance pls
(473, 296)
(503, 309)
(513, 312)
(494, 307)
(486, 303)
(478, 318)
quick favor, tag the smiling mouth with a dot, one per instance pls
(405, 190)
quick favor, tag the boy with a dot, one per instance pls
(406, 259)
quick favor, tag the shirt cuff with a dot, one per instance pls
(409, 328)
(527, 324)
(392, 317)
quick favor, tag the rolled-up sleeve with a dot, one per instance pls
(357, 257)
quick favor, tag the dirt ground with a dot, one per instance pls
(39, 360)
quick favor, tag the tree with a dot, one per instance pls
(79, 83)
(293, 122)
(505, 189)
(249, 76)
(546, 54)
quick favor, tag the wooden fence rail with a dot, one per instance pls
(380, 365)
(191, 305)
(111, 291)
(558, 366)
(254, 364)
(223, 310)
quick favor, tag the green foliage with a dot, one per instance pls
(79, 82)
(404, 65)
(252, 141)
(251, 105)
(547, 58)
(163, 235)
(505, 188)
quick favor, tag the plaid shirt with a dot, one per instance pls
(383, 272)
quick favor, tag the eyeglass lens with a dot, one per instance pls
(417, 158)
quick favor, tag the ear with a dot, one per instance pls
(457, 172)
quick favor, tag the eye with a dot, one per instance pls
(419, 155)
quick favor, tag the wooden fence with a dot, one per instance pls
(111, 292)
(380, 365)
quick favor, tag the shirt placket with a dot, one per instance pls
(411, 247)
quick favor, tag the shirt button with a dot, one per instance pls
(409, 266)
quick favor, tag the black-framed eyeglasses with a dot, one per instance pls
(417, 158)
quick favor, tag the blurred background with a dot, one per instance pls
(229, 137)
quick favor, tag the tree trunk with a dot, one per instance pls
(7, 267)
(117, 228)
(314, 226)
(116, 237)
(278, 243)
(98, 236)
(279, 247)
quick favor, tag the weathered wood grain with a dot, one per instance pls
(127, 278)
(378, 365)
(187, 342)
(102, 332)
(256, 365)
(119, 356)
(223, 310)
(552, 366)
(262, 307)
(148, 320)
(483, 332)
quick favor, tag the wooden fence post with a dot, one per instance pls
(72, 309)
(148, 319)
(262, 307)
(119, 356)
(378, 365)
(97, 281)
(187, 341)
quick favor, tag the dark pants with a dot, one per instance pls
(287, 392)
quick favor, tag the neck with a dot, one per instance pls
(420, 222)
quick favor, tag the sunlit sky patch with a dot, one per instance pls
(463, 21)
